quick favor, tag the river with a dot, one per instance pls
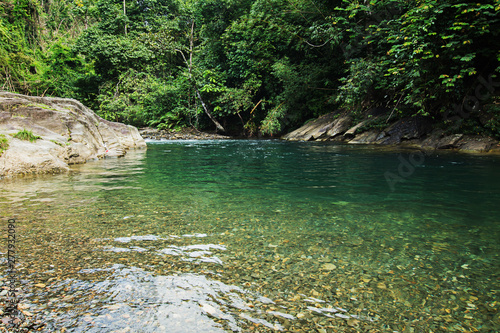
(258, 236)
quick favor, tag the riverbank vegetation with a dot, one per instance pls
(258, 66)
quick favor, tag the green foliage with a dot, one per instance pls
(271, 124)
(17, 30)
(59, 143)
(61, 71)
(26, 135)
(259, 66)
(113, 54)
(269, 44)
(143, 100)
(4, 144)
(492, 121)
(239, 100)
(424, 51)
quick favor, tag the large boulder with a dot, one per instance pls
(70, 133)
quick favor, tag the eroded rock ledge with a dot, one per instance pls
(70, 133)
(415, 131)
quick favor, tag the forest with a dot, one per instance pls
(258, 67)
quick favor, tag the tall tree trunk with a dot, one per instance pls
(125, 15)
(189, 64)
(217, 124)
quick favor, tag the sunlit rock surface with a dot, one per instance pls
(377, 128)
(70, 134)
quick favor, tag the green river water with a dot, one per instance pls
(258, 236)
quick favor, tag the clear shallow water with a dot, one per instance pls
(214, 236)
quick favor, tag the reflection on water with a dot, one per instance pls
(137, 301)
(93, 176)
(216, 236)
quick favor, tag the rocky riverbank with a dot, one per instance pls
(46, 135)
(417, 132)
(184, 134)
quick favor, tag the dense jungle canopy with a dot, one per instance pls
(257, 66)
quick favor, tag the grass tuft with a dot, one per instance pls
(4, 144)
(26, 135)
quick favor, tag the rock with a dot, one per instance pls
(495, 148)
(301, 315)
(340, 125)
(370, 136)
(23, 306)
(329, 267)
(431, 141)
(449, 141)
(406, 129)
(209, 309)
(27, 313)
(313, 130)
(319, 132)
(474, 144)
(328, 127)
(411, 132)
(70, 134)
(351, 132)
(464, 143)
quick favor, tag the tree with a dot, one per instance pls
(416, 57)
(253, 66)
(187, 56)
